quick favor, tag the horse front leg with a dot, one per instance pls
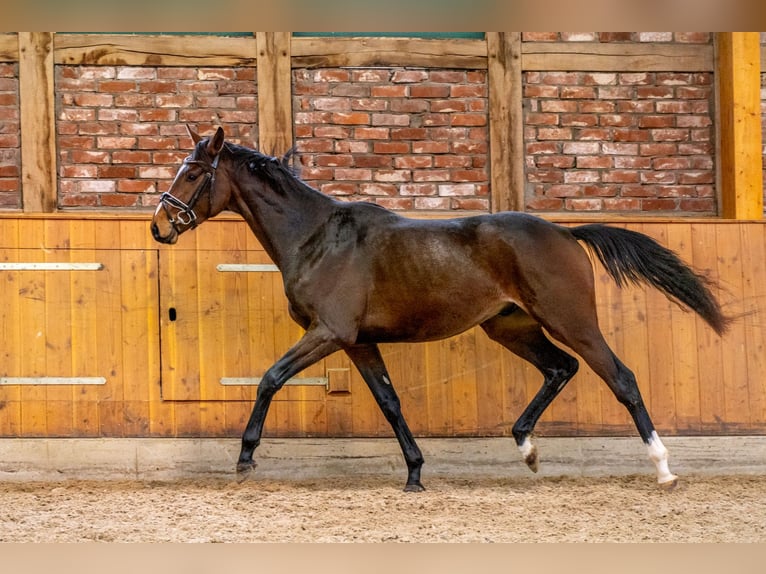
(370, 364)
(316, 344)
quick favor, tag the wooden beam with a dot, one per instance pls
(594, 57)
(275, 116)
(38, 122)
(336, 52)
(739, 137)
(9, 48)
(147, 50)
(506, 138)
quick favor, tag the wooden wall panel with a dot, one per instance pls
(115, 323)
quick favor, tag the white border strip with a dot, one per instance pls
(52, 380)
(50, 266)
(248, 267)
(250, 381)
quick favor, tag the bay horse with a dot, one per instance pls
(356, 274)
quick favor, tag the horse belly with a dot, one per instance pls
(418, 320)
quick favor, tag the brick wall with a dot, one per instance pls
(402, 138)
(619, 142)
(10, 138)
(121, 133)
(414, 139)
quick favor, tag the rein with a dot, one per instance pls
(185, 212)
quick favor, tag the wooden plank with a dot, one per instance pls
(661, 352)
(739, 128)
(38, 121)
(147, 50)
(9, 47)
(734, 367)
(753, 240)
(490, 387)
(462, 367)
(338, 52)
(506, 137)
(684, 340)
(595, 57)
(10, 331)
(709, 344)
(275, 116)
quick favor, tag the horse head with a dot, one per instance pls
(193, 196)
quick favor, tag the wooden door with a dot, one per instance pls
(224, 322)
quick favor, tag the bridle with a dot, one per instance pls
(185, 211)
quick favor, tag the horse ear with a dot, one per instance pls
(193, 135)
(216, 143)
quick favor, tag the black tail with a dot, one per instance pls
(632, 257)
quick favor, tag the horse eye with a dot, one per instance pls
(191, 177)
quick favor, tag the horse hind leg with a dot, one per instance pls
(522, 335)
(589, 343)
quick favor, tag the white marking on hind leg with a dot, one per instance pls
(659, 456)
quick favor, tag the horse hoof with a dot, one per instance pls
(245, 470)
(532, 461)
(669, 485)
(414, 487)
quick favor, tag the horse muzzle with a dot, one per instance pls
(169, 238)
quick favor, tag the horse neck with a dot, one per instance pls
(282, 222)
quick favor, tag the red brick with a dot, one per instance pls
(541, 91)
(387, 147)
(594, 162)
(372, 161)
(117, 171)
(395, 203)
(418, 189)
(468, 91)
(577, 92)
(621, 176)
(452, 160)
(406, 76)
(429, 91)
(698, 205)
(582, 204)
(579, 120)
(540, 119)
(622, 204)
(554, 134)
(659, 204)
(432, 203)
(378, 189)
(373, 133)
(330, 75)
(465, 175)
(564, 190)
(630, 135)
(118, 200)
(352, 146)
(433, 147)
(409, 133)
(135, 186)
(389, 91)
(390, 120)
(351, 118)
(544, 204)
(413, 162)
(459, 189)
(131, 156)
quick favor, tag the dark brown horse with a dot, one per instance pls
(356, 275)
